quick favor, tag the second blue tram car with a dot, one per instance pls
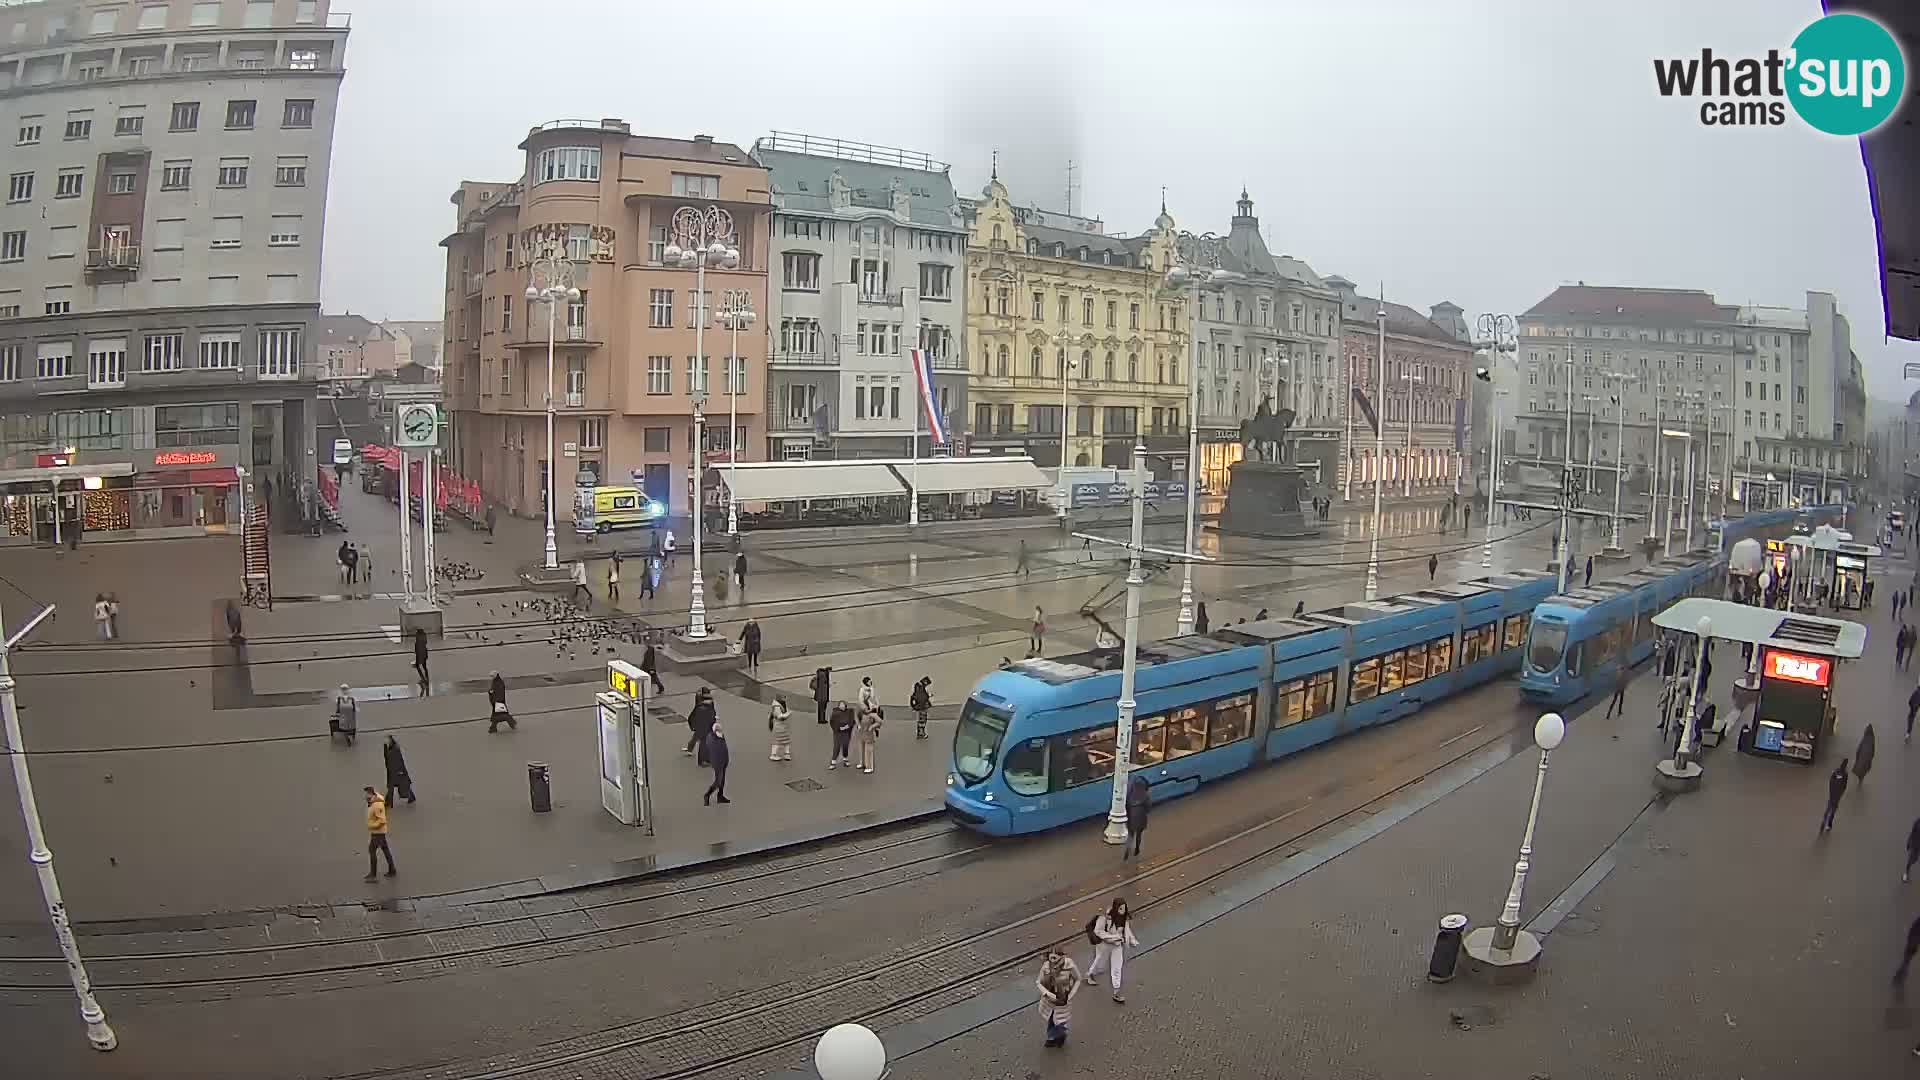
(1035, 744)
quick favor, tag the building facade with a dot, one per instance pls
(626, 374)
(840, 384)
(1076, 320)
(1429, 362)
(160, 252)
(1272, 331)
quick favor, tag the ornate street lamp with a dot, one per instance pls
(1199, 264)
(736, 314)
(702, 237)
(549, 281)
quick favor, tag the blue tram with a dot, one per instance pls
(1035, 744)
(1580, 640)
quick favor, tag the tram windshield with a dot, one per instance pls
(976, 744)
(1549, 641)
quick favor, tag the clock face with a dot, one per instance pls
(418, 425)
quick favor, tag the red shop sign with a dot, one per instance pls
(1793, 667)
(185, 457)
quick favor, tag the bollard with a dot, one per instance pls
(539, 787)
(1446, 948)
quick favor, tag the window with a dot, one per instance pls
(59, 300)
(129, 124)
(1478, 643)
(298, 113)
(218, 352)
(259, 14)
(153, 17)
(232, 173)
(1231, 721)
(120, 183)
(860, 403)
(567, 163)
(1063, 308)
(936, 283)
(1081, 757)
(800, 337)
(1039, 306)
(184, 117)
(1305, 698)
(593, 433)
(107, 363)
(279, 356)
(79, 124)
(736, 375)
(1133, 316)
(226, 232)
(20, 187)
(1186, 731)
(660, 308)
(302, 60)
(55, 360)
(239, 114)
(800, 270)
(1086, 311)
(164, 352)
(69, 184)
(656, 440)
(1113, 314)
(285, 231)
(697, 376)
(660, 376)
(29, 134)
(9, 363)
(13, 245)
(696, 186)
(699, 306)
(1516, 630)
(290, 172)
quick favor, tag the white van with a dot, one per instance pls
(343, 451)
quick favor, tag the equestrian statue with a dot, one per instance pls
(1264, 435)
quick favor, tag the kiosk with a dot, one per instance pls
(1833, 568)
(620, 711)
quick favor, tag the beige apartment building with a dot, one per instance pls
(626, 371)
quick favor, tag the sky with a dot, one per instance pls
(1479, 152)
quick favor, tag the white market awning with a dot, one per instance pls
(775, 481)
(949, 476)
(1732, 621)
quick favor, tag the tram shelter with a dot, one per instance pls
(1794, 661)
(1833, 565)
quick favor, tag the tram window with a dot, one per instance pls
(1516, 630)
(1081, 757)
(1186, 731)
(1478, 642)
(1026, 767)
(1304, 699)
(1365, 681)
(1150, 741)
(1549, 641)
(1574, 658)
(1439, 657)
(1413, 664)
(1390, 679)
(1232, 720)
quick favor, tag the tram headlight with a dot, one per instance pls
(950, 780)
(989, 796)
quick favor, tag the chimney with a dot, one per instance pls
(703, 140)
(614, 123)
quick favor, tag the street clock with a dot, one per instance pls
(419, 425)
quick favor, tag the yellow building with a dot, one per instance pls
(1047, 303)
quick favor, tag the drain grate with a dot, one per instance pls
(806, 783)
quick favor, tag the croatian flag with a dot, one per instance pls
(923, 374)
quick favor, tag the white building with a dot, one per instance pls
(160, 251)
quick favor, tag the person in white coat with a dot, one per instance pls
(1112, 936)
(866, 693)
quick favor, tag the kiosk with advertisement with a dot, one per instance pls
(1795, 709)
(620, 714)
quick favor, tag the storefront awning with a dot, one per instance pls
(187, 478)
(946, 476)
(63, 472)
(774, 481)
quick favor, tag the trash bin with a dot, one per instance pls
(1446, 948)
(539, 787)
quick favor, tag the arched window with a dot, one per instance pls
(1059, 250)
(1036, 363)
(1236, 399)
(1060, 363)
(1086, 363)
(1133, 367)
(1000, 365)
(996, 231)
(1108, 371)
(1106, 257)
(1146, 261)
(1080, 459)
(1033, 247)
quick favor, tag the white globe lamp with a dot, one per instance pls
(850, 1052)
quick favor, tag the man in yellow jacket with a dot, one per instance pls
(377, 834)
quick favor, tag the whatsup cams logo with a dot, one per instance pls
(1844, 75)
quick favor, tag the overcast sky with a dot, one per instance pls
(1479, 152)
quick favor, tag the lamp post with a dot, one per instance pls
(1379, 443)
(1406, 465)
(736, 314)
(1199, 263)
(1504, 948)
(1659, 450)
(98, 1033)
(549, 281)
(1586, 484)
(1680, 772)
(1062, 341)
(1493, 474)
(850, 1052)
(1619, 400)
(1496, 336)
(702, 237)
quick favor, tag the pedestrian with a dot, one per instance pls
(720, 587)
(352, 555)
(700, 721)
(420, 653)
(650, 663)
(1466, 518)
(613, 578)
(1037, 638)
(102, 617)
(490, 519)
(398, 779)
(1913, 851)
(1111, 934)
(1200, 622)
(649, 574)
(842, 727)
(780, 725)
(1086, 547)
(1906, 961)
(920, 701)
(669, 546)
(345, 564)
(580, 582)
(1059, 980)
(1897, 598)
(869, 733)
(1446, 516)
(346, 714)
(1138, 803)
(1433, 566)
(1589, 580)
(377, 834)
(740, 571)
(1836, 787)
(1299, 608)
(366, 564)
(866, 692)
(750, 643)
(1863, 755)
(1913, 706)
(113, 615)
(233, 624)
(822, 686)
(1619, 693)
(1020, 561)
(717, 756)
(497, 711)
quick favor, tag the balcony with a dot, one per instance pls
(575, 399)
(803, 359)
(576, 333)
(883, 299)
(473, 283)
(950, 363)
(785, 422)
(113, 257)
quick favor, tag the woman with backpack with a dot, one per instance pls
(920, 701)
(1110, 934)
(1059, 980)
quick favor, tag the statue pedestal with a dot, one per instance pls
(1263, 499)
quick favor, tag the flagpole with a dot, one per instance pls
(916, 357)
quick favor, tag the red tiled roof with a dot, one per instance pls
(1599, 300)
